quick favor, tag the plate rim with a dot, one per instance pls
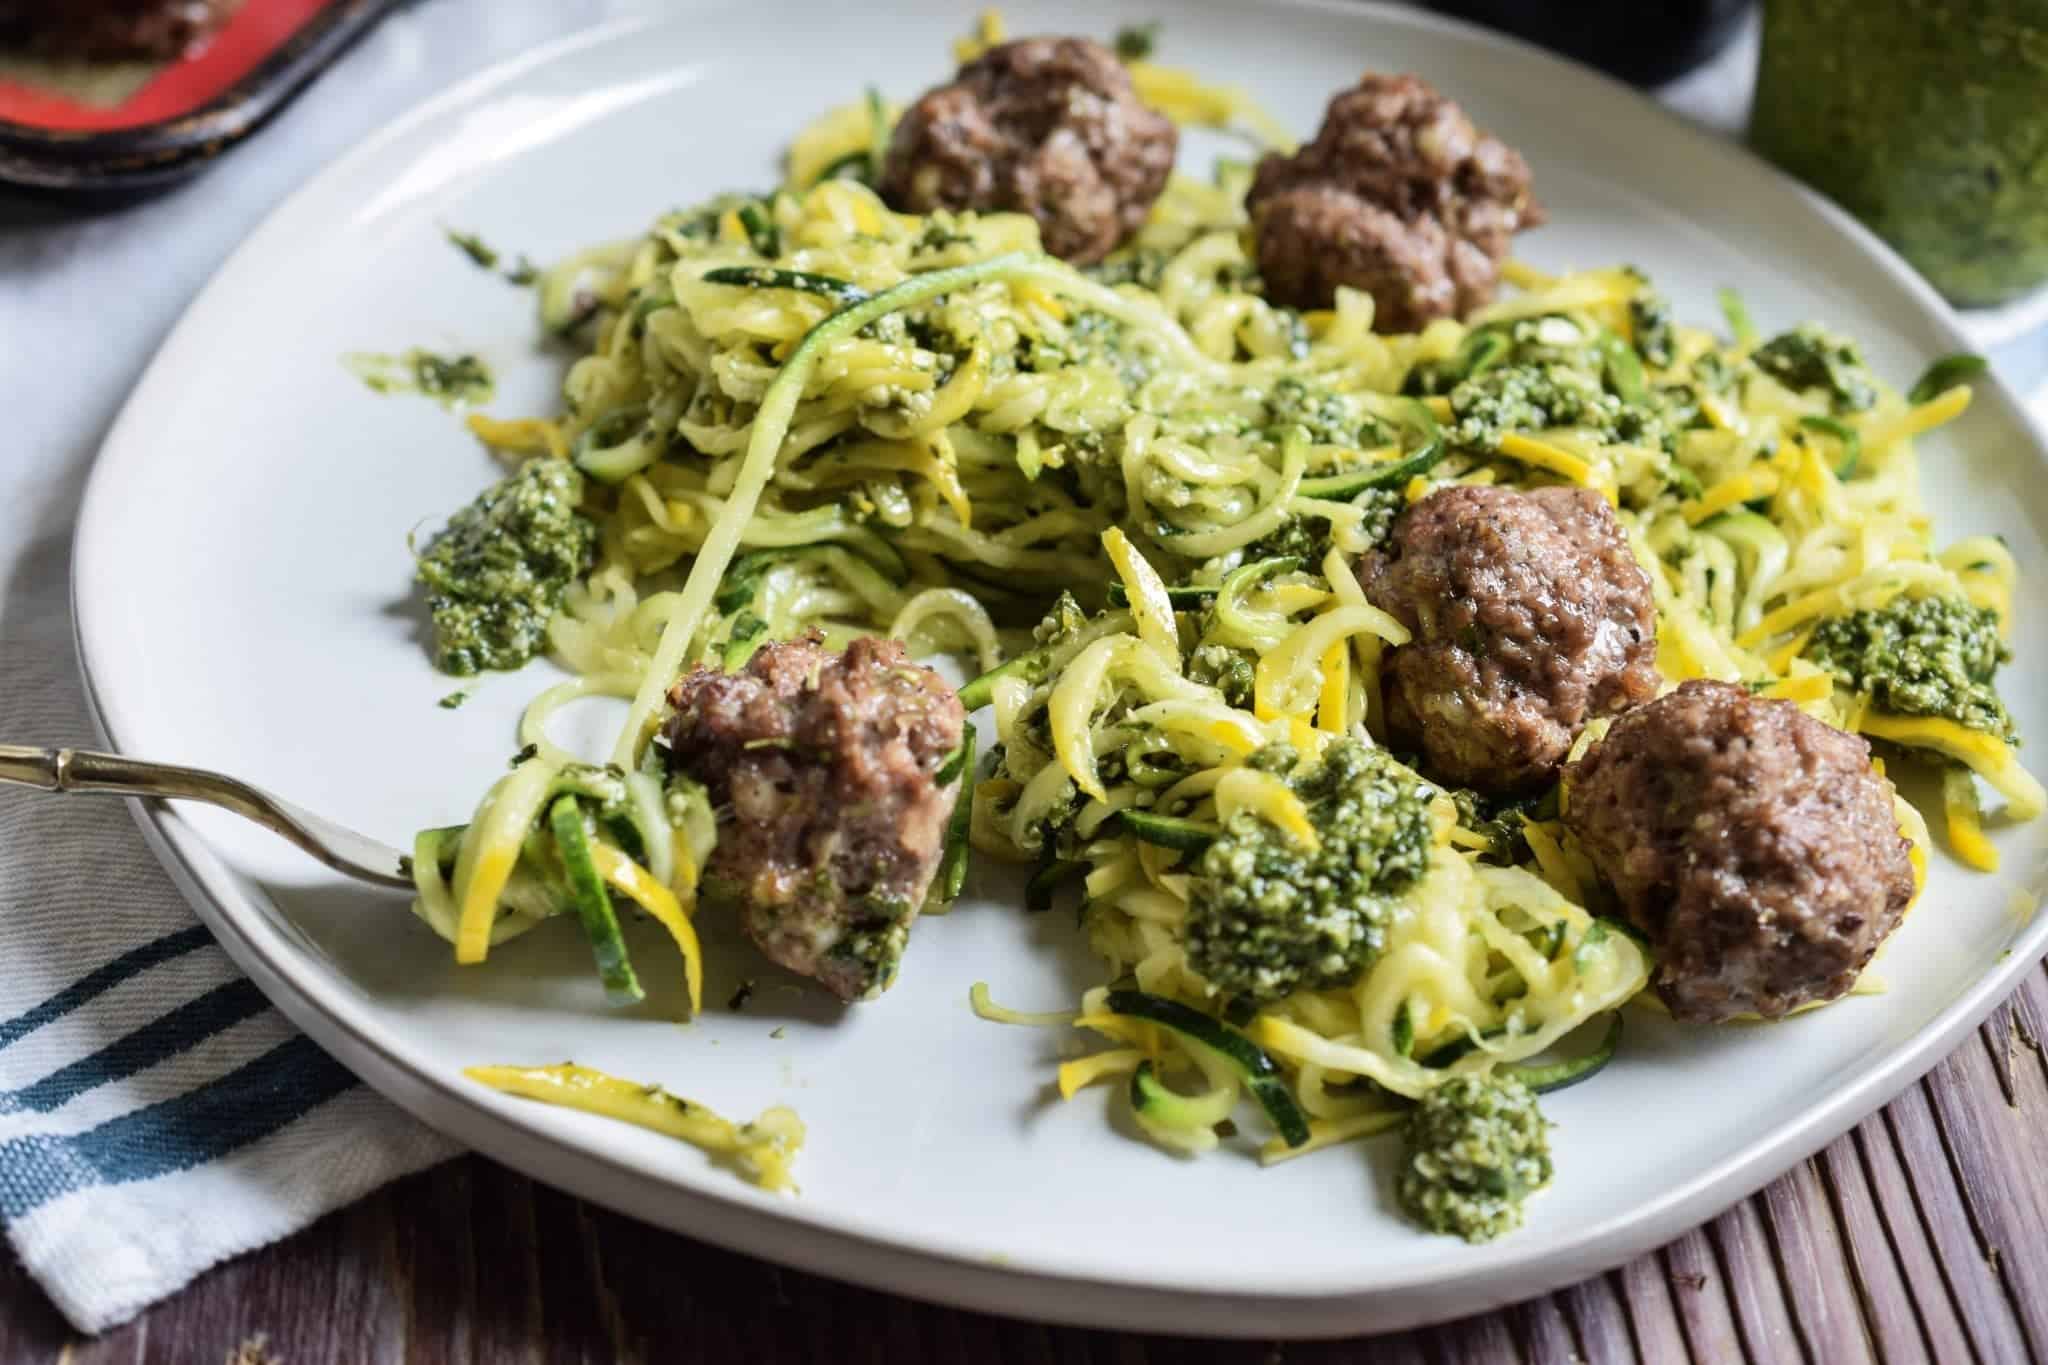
(863, 1249)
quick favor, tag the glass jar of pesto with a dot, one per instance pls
(1927, 119)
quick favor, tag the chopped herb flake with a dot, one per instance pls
(475, 248)
(453, 381)
(1135, 42)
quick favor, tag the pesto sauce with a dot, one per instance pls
(1535, 373)
(453, 381)
(1925, 120)
(1478, 1147)
(495, 574)
(1928, 656)
(1811, 357)
(1266, 916)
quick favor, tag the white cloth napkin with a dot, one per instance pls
(156, 1115)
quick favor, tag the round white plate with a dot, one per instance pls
(243, 603)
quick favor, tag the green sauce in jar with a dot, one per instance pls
(1927, 119)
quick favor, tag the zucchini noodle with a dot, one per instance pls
(1133, 497)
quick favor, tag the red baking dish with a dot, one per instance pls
(105, 125)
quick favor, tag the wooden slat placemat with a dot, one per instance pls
(1921, 1235)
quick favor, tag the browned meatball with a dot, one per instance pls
(1044, 126)
(1754, 846)
(1530, 616)
(1398, 196)
(828, 764)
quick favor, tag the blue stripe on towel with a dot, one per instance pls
(163, 1037)
(103, 979)
(249, 1103)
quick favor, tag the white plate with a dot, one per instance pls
(242, 594)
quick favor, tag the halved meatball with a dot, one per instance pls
(1755, 847)
(827, 764)
(1531, 617)
(1045, 126)
(1399, 196)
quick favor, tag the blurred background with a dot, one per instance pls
(1925, 120)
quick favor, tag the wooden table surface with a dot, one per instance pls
(1921, 1235)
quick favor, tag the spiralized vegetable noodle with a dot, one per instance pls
(1148, 488)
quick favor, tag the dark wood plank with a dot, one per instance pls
(1987, 1142)
(1937, 1200)
(1934, 1301)
(1887, 1303)
(1545, 1334)
(1749, 1269)
(1070, 1345)
(2000, 1037)
(1652, 1312)
(1025, 1343)
(30, 1328)
(661, 1292)
(2030, 1016)
(1704, 1306)
(508, 1319)
(1824, 1308)
(435, 1263)
(1922, 1235)
(1599, 1321)
(1483, 1337)
(323, 1296)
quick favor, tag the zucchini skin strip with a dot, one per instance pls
(629, 878)
(1260, 1074)
(593, 903)
(1562, 1075)
(841, 292)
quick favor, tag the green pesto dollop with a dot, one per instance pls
(1921, 656)
(1530, 374)
(494, 574)
(1811, 357)
(1478, 1147)
(1308, 537)
(1536, 397)
(1267, 916)
(452, 381)
(1233, 672)
(1925, 120)
(1330, 418)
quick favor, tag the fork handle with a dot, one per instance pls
(90, 770)
(22, 765)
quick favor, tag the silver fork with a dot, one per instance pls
(86, 770)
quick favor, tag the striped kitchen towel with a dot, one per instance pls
(156, 1114)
